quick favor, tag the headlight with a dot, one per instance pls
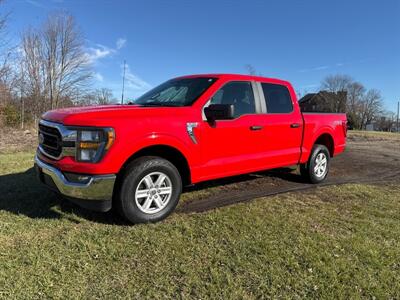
(92, 144)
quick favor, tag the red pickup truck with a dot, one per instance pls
(137, 157)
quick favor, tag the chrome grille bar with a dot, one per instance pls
(52, 137)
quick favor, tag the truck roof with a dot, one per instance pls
(238, 76)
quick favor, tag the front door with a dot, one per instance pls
(231, 147)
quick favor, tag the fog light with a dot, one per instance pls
(77, 178)
(83, 178)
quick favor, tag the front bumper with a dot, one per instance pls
(95, 193)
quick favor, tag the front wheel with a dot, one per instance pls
(317, 167)
(150, 190)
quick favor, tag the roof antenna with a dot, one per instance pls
(123, 83)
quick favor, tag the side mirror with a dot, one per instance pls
(215, 112)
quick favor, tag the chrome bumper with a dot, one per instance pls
(97, 187)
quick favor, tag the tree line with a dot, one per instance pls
(363, 106)
(47, 69)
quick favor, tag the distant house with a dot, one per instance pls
(383, 123)
(324, 102)
(370, 127)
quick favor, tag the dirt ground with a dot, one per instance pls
(17, 140)
(373, 158)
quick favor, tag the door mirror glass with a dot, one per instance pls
(215, 112)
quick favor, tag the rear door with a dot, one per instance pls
(281, 125)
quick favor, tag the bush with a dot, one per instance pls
(11, 115)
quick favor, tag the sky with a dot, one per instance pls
(299, 41)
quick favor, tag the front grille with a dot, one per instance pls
(50, 141)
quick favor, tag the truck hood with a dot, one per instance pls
(107, 114)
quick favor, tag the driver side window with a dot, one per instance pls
(239, 94)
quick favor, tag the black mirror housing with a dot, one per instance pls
(215, 112)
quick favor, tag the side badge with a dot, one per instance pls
(190, 131)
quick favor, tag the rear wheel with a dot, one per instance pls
(317, 167)
(150, 190)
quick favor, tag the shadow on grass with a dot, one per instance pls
(23, 194)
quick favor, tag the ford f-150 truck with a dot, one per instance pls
(137, 157)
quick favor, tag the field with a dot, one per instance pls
(255, 236)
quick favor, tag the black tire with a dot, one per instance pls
(134, 174)
(307, 170)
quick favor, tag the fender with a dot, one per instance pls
(324, 130)
(159, 139)
(309, 141)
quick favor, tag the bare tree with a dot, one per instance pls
(104, 96)
(386, 121)
(336, 83)
(32, 83)
(362, 106)
(87, 99)
(66, 62)
(101, 96)
(250, 69)
(54, 62)
(371, 107)
(355, 94)
(3, 20)
(346, 90)
(5, 56)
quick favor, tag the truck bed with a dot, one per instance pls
(315, 124)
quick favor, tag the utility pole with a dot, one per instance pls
(398, 111)
(22, 108)
(123, 84)
(22, 113)
(21, 96)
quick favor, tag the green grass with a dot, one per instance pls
(335, 242)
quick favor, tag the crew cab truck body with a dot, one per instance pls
(137, 157)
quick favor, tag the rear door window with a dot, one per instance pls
(277, 98)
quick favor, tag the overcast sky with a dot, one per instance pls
(300, 41)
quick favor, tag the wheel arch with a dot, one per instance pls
(327, 140)
(170, 153)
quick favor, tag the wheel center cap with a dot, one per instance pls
(153, 191)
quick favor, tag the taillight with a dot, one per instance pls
(344, 125)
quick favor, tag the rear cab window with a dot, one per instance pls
(277, 98)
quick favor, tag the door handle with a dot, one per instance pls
(294, 125)
(256, 127)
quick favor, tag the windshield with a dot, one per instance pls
(176, 92)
